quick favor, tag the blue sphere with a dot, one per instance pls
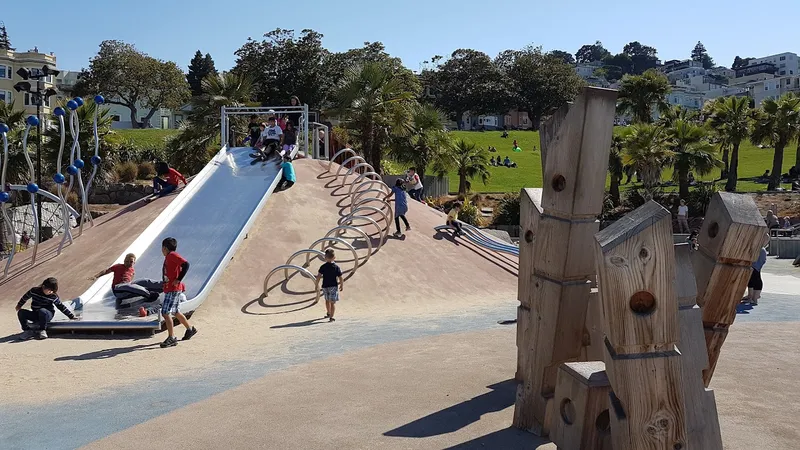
(32, 121)
(72, 170)
(59, 111)
(4, 197)
(79, 101)
(78, 163)
(59, 178)
(99, 99)
(32, 188)
(3, 128)
(72, 105)
(96, 160)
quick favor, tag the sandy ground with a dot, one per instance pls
(423, 275)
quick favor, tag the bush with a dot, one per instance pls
(507, 212)
(470, 214)
(127, 171)
(146, 171)
(699, 198)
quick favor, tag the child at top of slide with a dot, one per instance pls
(271, 138)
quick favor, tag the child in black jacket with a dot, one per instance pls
(44, 301)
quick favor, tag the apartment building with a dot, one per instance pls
(785, 63)
(774, 88)
(10, 62)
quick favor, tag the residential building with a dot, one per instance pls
(774, 88)
(10, 62)
(686, 97)
(725, 91)
(785, 63)
(511, 120)
(683, 70)
(722, 72)
(701, 83)
(587, 72)
(749, 79)
(755, 69)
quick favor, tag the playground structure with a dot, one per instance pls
(617, 351)
(73, 169)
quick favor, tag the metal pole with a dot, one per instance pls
(39, 156)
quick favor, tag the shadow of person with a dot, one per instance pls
(305, 323)
(508, 439)
(107, 353)
(456, 417)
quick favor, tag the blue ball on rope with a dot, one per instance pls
(32, 188)
(72, 170)
(72, 105)
(96, 160)
(78, 163)
(99, 99)
(4, 197)
(59, 178)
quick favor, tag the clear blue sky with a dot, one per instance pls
(414, 30)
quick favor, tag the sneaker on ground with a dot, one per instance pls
(189, 333)
(42, 334)
(331, 320)
(408, 228)
(169, 342)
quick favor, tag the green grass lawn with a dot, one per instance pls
(148, 138)
(753, 161)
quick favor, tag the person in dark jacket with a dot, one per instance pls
(44, 301)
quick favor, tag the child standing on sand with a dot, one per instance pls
(400, 205)
(175, 268)
(332, 283)
(44, 301)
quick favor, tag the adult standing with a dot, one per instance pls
(683, 217)
(413, 179)
(294, 117)
(756, 284)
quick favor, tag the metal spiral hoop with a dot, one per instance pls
(344, 163)
(331, 241)
(338, 231)
(303, 271)
(368, 183)
(308, 252)
(337, 154)
(353, 169)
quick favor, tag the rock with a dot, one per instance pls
(100, 190)
(130, 187)
(148, 190)
(100, 199)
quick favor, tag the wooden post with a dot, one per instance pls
(636, 278)
(583, 420)
(731, 238)
(702, 422)
(593, 337)
(558, 286)
(530, 212)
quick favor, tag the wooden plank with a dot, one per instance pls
(583, 420)
(685, 284)
(593, 346)
(568, 262)
(530, 212)
(523, 343)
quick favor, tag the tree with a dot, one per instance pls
(540, 83)
(427, 145)
(739, 63)
(700, 54)
(337, 64)
(130, 78)
(193, 147)
(639, 95)
(643, 57)
(562, 55)
(374, 106)
(675, 113)
(731, 121)
(591, 53)
(647, 150)
(199, 68)
(691, 153)
(283, 65)
(777, 123)
(470, 162)
(17, 169)
(5, 43)
(616, 169)
(617, 66)
(469, 81)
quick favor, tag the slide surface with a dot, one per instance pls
(209, 218)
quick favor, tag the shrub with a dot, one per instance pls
(699, 198)
(127, 171)
(146, 170)
(507, 212)
(470, 214)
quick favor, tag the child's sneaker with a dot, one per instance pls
(331, 320)
(189, 333)
(42, 334)
(27, 335)
(169, 342)
(408, 228)
(397, 234)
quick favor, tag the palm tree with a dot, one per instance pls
(616, 168)
(777, 123)
(190, 150)
(691, 152)
(470, 162)
(640, 94)
(730, 118)
(677, 112)
(17, 170)
(647, 150)
(428, 143)
(374, 104)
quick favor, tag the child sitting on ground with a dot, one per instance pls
(332, 283)
(166, 180)
(288, 177)
(452, 218)
(123, 286)
(44, 301)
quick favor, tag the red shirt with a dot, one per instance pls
(171, 271)
(121, 273)
(173, 176)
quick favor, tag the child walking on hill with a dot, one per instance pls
(400, 206)
(44, 301)
(175, 268)
(452, 218)
(332, 283)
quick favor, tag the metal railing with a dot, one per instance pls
(302, 271)
(352, 158)
(339, 153)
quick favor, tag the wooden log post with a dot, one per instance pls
(636, 275)
(593, 337)
(530, 211)
(582, 422)
(730, 239)
(558, 286)
(702, 421)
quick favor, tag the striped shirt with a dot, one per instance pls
(41, 301)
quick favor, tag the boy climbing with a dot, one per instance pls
(44, 301)
(452, 218)
(400, 206)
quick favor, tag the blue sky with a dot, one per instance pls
(413, 29)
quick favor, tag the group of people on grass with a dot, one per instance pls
(507, 162)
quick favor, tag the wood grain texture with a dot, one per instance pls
(568, 262)
(593, 346)
(685, 284)
(523, 343)
(733, 230)
(581, 397)
(530, 212)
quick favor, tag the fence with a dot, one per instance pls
(784, 247)
(434, 186)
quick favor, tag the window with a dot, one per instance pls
(783, 58)
(5, 72)
(29, 101)
(5, 96)
(766, 87)
(783, 72)
(115, 118)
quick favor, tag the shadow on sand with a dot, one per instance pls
(107, 353)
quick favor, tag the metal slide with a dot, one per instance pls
(210, 217)
(480, 239)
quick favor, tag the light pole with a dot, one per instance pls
(38, 96)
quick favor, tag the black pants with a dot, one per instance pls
(284, 184)
(456, 225)
(397, 222)
(41, 317)
(416, 194)
(756, 283)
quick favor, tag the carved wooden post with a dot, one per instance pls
(582, 422)
(702, 421)
(558, 287)
(593, 337)
(636, 276)
(730, 240)
(530, 210)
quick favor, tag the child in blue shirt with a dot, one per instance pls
(400, 205)
(288, 178)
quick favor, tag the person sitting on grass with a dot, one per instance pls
(166, 180)
(508, 163)
(288, 178)
(123, 286)
(332, 283)
(44, 301)
(452, 218)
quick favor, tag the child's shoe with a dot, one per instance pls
(169, 342)
(189, 333)
(42, 334)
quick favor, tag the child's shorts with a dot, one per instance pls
(172, 302)
(331, 294)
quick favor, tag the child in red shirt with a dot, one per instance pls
(175, 268)
(123, 286)
(163, 187)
